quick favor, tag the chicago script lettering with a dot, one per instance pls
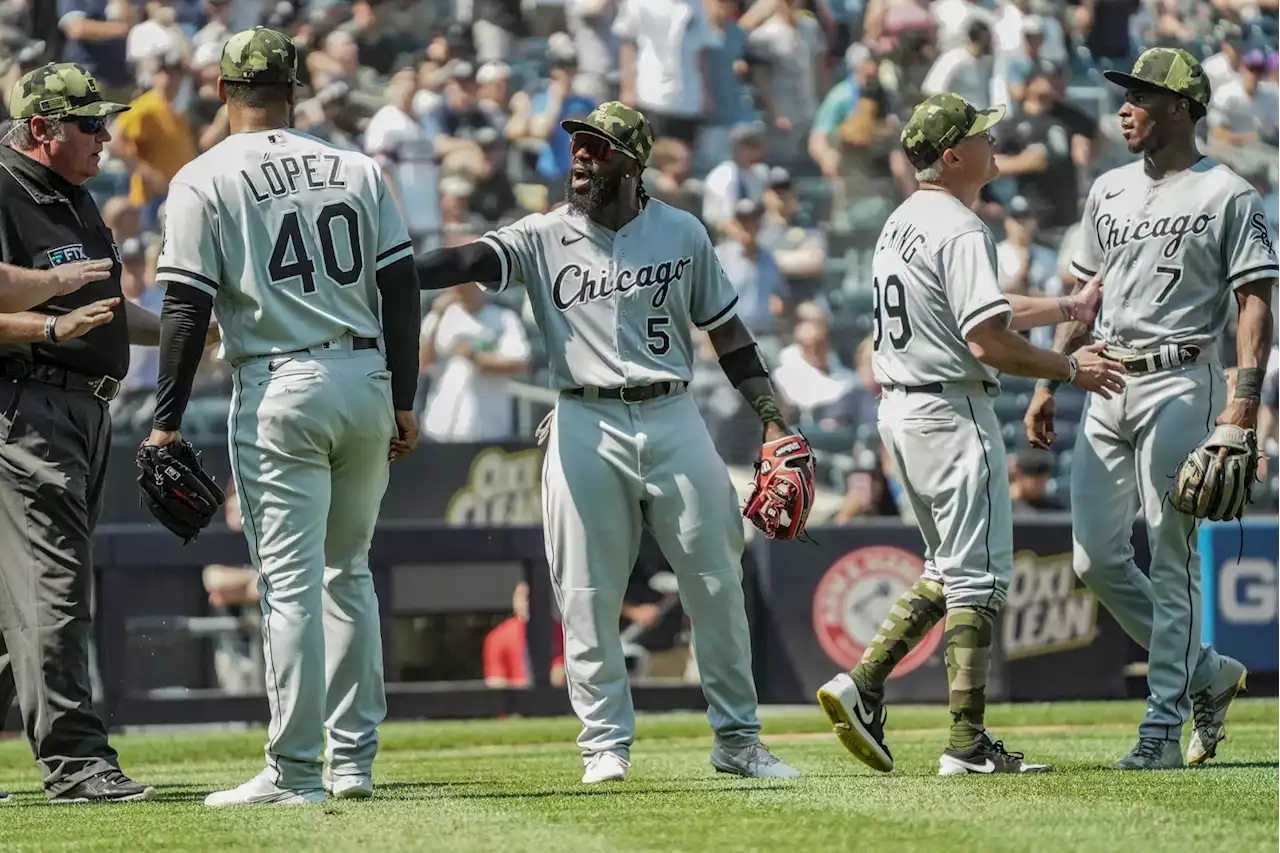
(577, 285)
(1112, 233)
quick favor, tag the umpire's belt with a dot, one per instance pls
(105, 388)
(935, 387)
(629, 394)
(1152, 361)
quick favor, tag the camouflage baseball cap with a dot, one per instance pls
(57, 90)
(259, 55)
(1169, 68)
(942, 122)
(622, 125)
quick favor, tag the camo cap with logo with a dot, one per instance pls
(942, 122)
(625, 127)
(259, 55)
(1169, 68)
(58, 90)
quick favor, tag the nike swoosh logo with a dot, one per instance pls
(860, 710)
(988, 766)
(1110, 196)
(565, 241)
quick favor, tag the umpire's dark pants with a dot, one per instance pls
(53, 457)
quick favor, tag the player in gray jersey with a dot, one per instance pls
(617, 282)
(943, 331)
(302, 252)
(1175, 236)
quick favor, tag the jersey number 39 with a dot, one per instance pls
(289, 243)
(891, 305)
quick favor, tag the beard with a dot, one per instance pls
(600, 192)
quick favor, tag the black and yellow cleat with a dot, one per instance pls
(1209, 710)
(858, 725)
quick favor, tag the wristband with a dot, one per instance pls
(50, 332)
(1249, 384)
(1071, 369)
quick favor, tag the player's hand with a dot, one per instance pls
(1038, 421)
(1097, 373)
(160, 437)
(75, 323)
(213, 335)
(1084, 305)
(1241, 413)
(407, 437)
(72, 277)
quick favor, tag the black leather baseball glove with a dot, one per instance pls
(176, 489)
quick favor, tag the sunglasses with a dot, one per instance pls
(92, 125)
(595, 147)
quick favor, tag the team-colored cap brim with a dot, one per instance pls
(573, 125)
(101, 108)
(986, 120)
(1129, 81)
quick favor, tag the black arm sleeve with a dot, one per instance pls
(401, 320)
(184, 322)
(441, 268)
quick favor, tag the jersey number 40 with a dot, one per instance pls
(290, 258)
(891, 305)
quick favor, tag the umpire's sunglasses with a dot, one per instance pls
(92, 125)
(594, 146)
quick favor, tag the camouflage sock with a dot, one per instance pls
(918, 610)
(968, 644)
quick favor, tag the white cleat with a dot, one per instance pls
(858, 725)
(261, 791)
(1209, 709)
(606, 767)
(754, 761)
(354, 787)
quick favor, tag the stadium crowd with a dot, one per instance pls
(778, 124)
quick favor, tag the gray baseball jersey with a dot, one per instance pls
(935, 278)
(1172, 251)
(615, 307)
(287, 234)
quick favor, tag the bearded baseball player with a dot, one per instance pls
(1174, 235)
(616, 282)
(302, 252)
(943, 329)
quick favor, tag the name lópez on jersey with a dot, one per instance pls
(576, 285)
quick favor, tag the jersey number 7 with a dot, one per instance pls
(289, 242)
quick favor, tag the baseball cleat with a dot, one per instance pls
(5, 796)
(754, 761)
(606, 767)
(261, 791)
(1152, 753)
(858, 725)
(985, 756)
(353, 787)
(1209, 709)
(111, 786)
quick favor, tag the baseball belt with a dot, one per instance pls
(931, 388)
(105, 388)
(629, 394)
(1152, 361)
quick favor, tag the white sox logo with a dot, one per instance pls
(1112, 234)
(575, 285)
(1261, 232)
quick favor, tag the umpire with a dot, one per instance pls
(60, 365)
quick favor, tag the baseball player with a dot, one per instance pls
(616, 280)
(943, 329)
(302, 252)
(1175, 235)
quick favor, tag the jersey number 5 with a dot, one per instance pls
(289, 242)
(891, 302)
(659, 340)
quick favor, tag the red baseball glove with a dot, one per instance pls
(783, 494)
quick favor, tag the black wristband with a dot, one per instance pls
(1249, 383)
(742, 364)
(51, 329)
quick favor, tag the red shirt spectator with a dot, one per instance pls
(506, 652)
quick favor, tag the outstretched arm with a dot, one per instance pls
(443, 268)
(1077, 309)
(1253, 340)
(740, 360)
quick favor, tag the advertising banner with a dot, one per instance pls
(1238, 583)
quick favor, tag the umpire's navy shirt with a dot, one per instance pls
(46, 221)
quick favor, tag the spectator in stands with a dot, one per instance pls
(1030, 475)
(762, 291)
(799, 250)
(206, 112)
(96, 31)
(495, 25)
(479, 345)
(493, 88)
(867, 491)
(538, 124)
(854, 141)
(727, 68)
(460, 117)
(955, 20)
(1009, 81)
(383, 36)
(403, 146)
(217, 14)
(1244, 111)
(233, 590)
(506, 648)
(340, 61)
(1080, 124)
(492, 195)
(1011, 28)
(132, 409)
(1025, 266)
(815, 385)
(153, 139)
(155, 39)
(792, 43)
(459, 223)
(741, 178)
(1224, 66)
(670, 167)
(663, 56)
(1035, 150)
(590, 23)
(965, 70)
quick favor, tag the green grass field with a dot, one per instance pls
(513, 785)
